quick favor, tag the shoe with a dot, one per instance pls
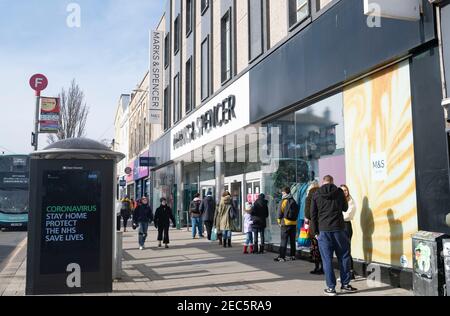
(229, 243)
(251, 249)
(353, 276)
(330, 292)
(261, 249)
(224, 244)
(291, 258)
(141, 248)
(167, 247)
(159, 245)
(315, 272)
(245, 252)
(278, 259)
(320, 272)
(348, 289)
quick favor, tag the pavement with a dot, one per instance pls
(202, 268)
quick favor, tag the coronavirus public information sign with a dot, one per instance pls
(71, 227)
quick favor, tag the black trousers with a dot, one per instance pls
(209, 226)
(163, 234)
(349, 231)
(119, 218)
(125, 221)
(256, 232)
(288, 233)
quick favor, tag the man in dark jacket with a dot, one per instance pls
(163, 216)
(327, 224)
(260, 212)
(208, 209)
(196, 216)
(143, 216)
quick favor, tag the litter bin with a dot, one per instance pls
(72, 218)
(446, 253)
(428, 264)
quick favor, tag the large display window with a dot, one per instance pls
(311, 147)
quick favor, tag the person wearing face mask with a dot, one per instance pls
(142, 217)
(163, 217)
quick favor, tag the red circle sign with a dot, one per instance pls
(38, 82)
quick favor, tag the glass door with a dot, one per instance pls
(236, 195)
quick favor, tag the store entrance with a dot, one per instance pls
(236, 195)
(189, 192)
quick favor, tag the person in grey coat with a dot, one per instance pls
(208, 210)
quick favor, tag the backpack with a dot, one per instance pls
(126, 206)
(293, 211)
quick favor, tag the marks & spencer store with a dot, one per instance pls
(361, 104)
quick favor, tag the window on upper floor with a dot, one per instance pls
(226, 47)
(166, 109)
(176, 99)
(205, 69)
(204, 6)
(167, 50)
(298, 11)
(189, 16)
(176, 35)
(255, 24)
(320, 4)
(189, 86)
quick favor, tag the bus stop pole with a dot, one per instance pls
(36, 121)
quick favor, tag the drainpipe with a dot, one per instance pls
(446, 101)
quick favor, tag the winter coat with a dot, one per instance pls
(222, 219)
(126, 208)
(308, 202)
(351, 211)
(143, 214)
(248, 223)
(260, 213)
(163, 216)
(327, 206)
(208, 209)
(287, 203)
(194, 208)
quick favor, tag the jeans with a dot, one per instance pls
(249, 239)
(163, 234)
(330, 242)
(226, 234)
(257, 231)
(349, 231)
(197, 222)
(209, 226)
(143, 229)
(288, 233)
(125, 222)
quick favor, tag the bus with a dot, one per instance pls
(14, 187)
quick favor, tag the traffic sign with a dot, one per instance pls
(38, 82)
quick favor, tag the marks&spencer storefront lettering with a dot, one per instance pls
(219, 116)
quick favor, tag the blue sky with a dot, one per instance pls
(107, 56)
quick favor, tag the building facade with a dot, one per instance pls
(262, 94)
(121, 139)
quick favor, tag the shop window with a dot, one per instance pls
(205, 69)
(226, 48)
(311, 146)
(189, 86)
(298, 11)
(189, 16)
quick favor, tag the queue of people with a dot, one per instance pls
(329, 211)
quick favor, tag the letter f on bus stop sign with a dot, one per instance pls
(38, 83)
